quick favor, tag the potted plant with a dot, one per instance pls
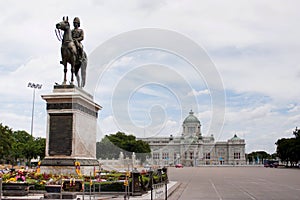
(54, 185)
(15, 184)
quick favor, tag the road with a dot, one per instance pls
(235, 183)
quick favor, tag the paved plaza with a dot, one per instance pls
(220, 183)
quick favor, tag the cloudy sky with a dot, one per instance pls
(235, 63)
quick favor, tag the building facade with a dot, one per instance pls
(193, 149)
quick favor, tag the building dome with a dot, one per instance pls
(191, 118)
(235, 138)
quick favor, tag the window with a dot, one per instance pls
(165, 156)
(191, 130)
(191, 155)
(207, 156)
(221, 154)
(237, 155)
(156, 156)
(185, 155)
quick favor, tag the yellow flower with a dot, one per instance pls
(13, 179)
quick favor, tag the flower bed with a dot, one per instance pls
(108, 181)
(15, 189)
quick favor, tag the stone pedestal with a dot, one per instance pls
(71, 131)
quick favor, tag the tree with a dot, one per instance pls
(255, 155)
(288, 149)
(296, 132)
(23, 147)
(6, 142)
(111, 146)
(274, 156)
(106, 149)
(19, 146)
(40, 147)
(283, 149)
(30, 147)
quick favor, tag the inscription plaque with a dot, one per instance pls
(60, 134)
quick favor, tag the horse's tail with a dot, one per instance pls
(77, 67)
(83, 69)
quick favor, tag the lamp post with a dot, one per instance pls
(34, 86)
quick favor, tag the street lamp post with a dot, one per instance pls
(34, 86)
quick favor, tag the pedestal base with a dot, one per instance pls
(71, 131)
(67, 166)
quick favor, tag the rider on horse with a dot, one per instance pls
(72, 50)
(78, 36)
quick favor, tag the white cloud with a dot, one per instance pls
(293, 108)
(253, 44)
(122, 62)
(107, 126)
(198, 93)
(249, 114)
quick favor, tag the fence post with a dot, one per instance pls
(166, 190)
(99, 182)
(90, 185)
(94, 186)
(83, 190)
(135, 175)
(165, 170)
(151, 182)
(61, 187)
(0, 188)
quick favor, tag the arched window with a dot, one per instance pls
(191, 130)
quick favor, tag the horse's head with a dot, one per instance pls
(64, 24)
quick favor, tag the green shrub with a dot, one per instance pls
(146, 181)
(38, 186)
(105, 186)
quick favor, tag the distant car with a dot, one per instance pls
(178, 166)
(271, 163)
(275, 164)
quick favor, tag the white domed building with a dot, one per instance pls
(193, 149)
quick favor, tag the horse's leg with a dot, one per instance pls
(72, 74)
(64, 63)
(65, 74)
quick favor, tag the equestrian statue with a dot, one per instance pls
(72, 50)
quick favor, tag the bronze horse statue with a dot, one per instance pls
(69, 54)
